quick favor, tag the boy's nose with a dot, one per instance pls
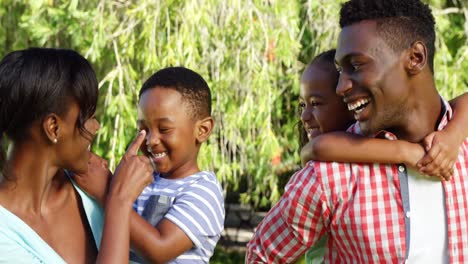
(152, 138)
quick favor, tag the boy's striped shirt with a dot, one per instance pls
(194, 203)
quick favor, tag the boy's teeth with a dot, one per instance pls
(159, 155)
(357, 104)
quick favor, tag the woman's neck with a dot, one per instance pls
(31, 182)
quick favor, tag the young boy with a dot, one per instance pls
(183, 205)
(323, 112)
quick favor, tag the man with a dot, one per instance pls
(377, 213)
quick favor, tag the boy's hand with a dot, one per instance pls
(133, 173)
(442, 153)
(96, 181)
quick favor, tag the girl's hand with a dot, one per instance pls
(307, 153)
(442, 153)
(96, 181)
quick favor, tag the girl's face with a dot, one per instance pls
(322, 110)
(73, 144)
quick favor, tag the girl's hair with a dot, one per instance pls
(327, 59)
(39, 81)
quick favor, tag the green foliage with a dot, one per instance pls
(250, 52)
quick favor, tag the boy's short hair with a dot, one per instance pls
(193, 88)
(399, 22)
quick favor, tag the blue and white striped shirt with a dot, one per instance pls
(195, 204)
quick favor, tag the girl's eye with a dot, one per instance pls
(356, 67)
(314, 103)
(339, 69)
(301, 105)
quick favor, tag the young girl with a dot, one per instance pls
(47, 102)
(323, 115)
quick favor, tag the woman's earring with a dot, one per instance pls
(55, 140)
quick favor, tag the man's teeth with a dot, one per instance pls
(353, 106)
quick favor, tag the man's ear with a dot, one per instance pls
(417, 58)
(51, 127)
(203, 129)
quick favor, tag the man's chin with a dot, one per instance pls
(365, 128)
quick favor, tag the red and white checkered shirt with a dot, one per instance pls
(364, 209)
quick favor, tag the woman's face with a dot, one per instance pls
(72, 143)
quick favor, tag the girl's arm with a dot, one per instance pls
(346, 147)
(443, 146)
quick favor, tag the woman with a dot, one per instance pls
(47, 102)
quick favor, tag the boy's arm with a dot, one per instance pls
(443, 146)
(157, 245)
(195, 219)
(347, 147)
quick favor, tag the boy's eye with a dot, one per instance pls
(164, 130)
(314, 103)
(301, 105)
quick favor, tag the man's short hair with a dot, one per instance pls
(193, 88)
(399, 22)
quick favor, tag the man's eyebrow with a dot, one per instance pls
(347, 56)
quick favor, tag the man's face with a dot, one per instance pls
(373, 81)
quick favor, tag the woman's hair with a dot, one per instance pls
(39, 81)
(326, 59)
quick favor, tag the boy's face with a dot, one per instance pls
(322, 110)
(170, 140)
(373, 81)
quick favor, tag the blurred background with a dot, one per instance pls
(250, 52)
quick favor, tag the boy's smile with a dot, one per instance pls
(170, 141)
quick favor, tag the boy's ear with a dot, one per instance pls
(416, 60)
(203, 129)
(51, 127)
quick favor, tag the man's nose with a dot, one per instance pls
(344, 84)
